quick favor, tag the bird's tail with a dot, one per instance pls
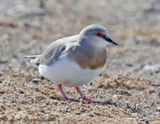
(32, 59)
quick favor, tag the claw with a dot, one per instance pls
(67, 99)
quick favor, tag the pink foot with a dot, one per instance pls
(85, 99)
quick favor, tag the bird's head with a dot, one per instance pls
(99, 33)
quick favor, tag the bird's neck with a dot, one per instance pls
(91, 42)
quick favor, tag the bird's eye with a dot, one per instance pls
(98, 34)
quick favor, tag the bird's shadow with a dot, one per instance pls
(93, 102)
(96, 102)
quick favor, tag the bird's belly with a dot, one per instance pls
(68, 73)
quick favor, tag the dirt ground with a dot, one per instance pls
(128, 92)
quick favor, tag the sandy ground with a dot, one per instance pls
(127, 93)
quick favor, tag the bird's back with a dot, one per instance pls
(55, 49)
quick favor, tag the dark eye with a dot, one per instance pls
(98, 34)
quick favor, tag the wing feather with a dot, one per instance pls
(53, 52)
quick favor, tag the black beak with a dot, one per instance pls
(109, 40)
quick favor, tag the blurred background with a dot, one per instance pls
(28, 26)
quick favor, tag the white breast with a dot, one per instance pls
(68, 73)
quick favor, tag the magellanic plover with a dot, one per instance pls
(75, 60)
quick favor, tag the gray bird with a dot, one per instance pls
(75, 60)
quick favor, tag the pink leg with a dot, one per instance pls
(60, 88)
(83, 97)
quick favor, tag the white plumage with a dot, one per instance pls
(68, 73)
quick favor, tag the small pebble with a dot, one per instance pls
(36, 80)
(158, 109)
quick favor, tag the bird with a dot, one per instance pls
(75, 60)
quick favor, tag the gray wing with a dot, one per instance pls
(55, 50)
(51, 53)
